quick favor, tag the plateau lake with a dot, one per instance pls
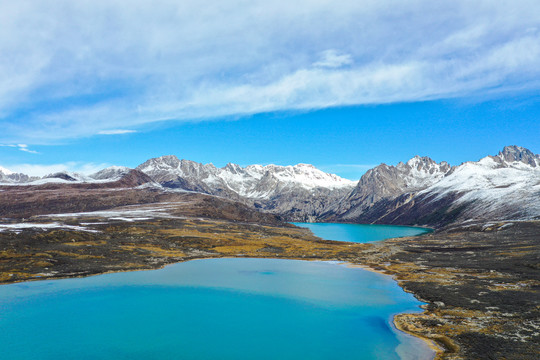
(361, 233)
(211, 309)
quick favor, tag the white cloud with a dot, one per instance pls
(21, 147)
(116, 132)
(333, 59)
(102, 65)
(42, 170)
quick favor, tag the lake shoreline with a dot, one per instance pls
(429, 266)
(432, 344)
(335, 293)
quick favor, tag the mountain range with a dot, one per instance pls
(421, 191)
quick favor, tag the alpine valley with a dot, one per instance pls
(477, 272)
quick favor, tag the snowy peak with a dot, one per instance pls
(252, 181)
(307, 176)
(496, 187)
(420, 172)
(163, 163)
(170, 167)
(111, 173)
(10, 177)
(5, 171)
(515, 156)
(426, 165)
(415, 174)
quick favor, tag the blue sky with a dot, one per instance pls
(343, 85)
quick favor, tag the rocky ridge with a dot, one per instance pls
(9, 177)
(419, 192)
(388, 182)
(501, 187)
(301, 192)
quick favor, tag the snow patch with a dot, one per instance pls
(128, 213)
(21, 226)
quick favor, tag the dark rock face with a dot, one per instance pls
(517, 154)
(61, 175)
(385, 183)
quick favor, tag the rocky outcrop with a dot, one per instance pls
(63, 176)
(516, 154)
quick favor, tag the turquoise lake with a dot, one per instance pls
(361, 233)
(211, 309)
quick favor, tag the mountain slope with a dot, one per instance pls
(501, 187)
(388, 182)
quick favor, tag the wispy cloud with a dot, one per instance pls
(116, 132)
(21, 147)
(42, 170)
(24, 147)
(333, 59)
(72, 69)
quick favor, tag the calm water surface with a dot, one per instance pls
(360, 233)
(210, 309)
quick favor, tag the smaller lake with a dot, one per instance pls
(360, 233)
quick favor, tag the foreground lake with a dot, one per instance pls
(211, 309)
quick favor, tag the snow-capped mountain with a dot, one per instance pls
(111, 173)
(298, 192)
(501, 187)
(495, 187)
(10, 177)
(253, 181)
(388, 182)
(5, 171)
